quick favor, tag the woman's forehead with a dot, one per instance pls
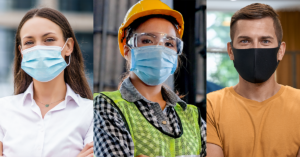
(38, 26)
(157, 25)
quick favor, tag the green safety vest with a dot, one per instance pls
(152, 142)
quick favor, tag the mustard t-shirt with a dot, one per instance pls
(247, 128)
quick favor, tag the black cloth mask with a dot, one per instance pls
(255, 65)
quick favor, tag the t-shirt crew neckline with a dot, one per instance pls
(281, 90)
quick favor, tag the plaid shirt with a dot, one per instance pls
(111, 136)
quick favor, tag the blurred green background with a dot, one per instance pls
(220, 69)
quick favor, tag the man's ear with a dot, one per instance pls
(229, 51)
(69, 47)
(126, 52)
(281, 51)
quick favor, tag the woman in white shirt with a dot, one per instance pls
(51, 113)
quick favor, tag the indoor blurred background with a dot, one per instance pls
(220, 69)
(78, 12)
(109, 65)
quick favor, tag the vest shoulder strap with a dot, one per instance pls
(194, 109)
(115, 96)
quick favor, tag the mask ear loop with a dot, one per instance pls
(70, 54)
(69, 60)
(64, 44)
(279, 44)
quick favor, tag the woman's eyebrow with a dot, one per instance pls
(28, 36)
(42, 36)
(48, 34)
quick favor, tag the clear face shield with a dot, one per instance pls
(155, 39)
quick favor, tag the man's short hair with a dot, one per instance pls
(256, 11)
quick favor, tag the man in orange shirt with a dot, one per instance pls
(258, 117)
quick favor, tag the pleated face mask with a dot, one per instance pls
(255, 65)
(153, 64)
(44, 63)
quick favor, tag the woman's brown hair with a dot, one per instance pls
(73, 74)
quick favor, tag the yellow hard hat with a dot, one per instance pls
(144, 8)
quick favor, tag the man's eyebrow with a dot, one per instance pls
(266, 37)
(243, 37)
(262, 37)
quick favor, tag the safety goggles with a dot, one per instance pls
(150, 39)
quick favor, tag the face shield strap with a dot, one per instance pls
(176, 26)
(135, 40)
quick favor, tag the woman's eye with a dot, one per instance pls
(146, 41)
(169, 44)
(28, 43)
(49, 40)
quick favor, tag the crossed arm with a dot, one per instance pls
(1, 149)
(214, 150)
(86, 152)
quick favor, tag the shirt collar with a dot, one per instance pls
(70, 95)
(131, 94)
(28, 94)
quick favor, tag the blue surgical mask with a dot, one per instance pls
(44, 63)
(153, 64)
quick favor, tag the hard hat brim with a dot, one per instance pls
(172, 13)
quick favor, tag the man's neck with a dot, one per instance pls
(257, 91)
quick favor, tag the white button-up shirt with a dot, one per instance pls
(63, 132)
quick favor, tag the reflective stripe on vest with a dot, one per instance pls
(149, 141)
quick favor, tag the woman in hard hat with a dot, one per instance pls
(51, 111)
(144, 117)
